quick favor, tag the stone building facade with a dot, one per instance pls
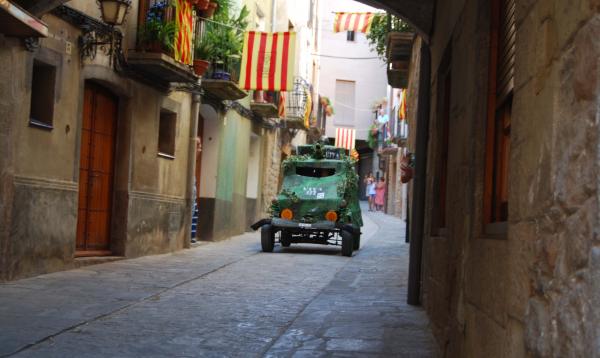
(524, 283)
(75, 131)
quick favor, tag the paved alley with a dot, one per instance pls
(225, 299)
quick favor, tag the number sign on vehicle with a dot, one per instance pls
(319, 193)
(332, 153)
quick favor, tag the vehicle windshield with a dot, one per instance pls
(315, 172)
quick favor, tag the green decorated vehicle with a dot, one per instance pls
(318, 203)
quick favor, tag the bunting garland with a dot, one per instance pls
(268, 61)
(353, 21)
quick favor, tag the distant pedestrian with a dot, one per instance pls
(370, 190)
(380, 194)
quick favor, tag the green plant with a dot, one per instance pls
(224, 6)
(203, 50)
(225, 37)
(155, 31)
(380, 27)
(373, 136)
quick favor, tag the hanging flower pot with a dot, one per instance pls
(221, 75)
(201, 4)
(210, 10)
(200, 67)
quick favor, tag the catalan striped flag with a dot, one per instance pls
(353, 21)
(268, 61)
(281, 109)
(402, 107)
(183, 39)
(308, 109)
(344, 138)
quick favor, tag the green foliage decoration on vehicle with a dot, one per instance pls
(318, 180)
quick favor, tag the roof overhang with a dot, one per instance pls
(17, 22)
(418, 13)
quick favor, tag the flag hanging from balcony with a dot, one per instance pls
(344, 138)
(353, 21)
(183, 39)
(308, 109)
(402, 106)
(268, 61)
(281, 109)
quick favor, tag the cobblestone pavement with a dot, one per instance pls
(225, 299)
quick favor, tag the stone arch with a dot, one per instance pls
(418, 13)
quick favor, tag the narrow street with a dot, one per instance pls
(225, 299)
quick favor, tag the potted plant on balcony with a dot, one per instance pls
(209, 10)
(226, 39)
(202, 54)
(200, 4)
(157, 34)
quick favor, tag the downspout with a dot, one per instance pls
(273, 14)
(418, 205)
(191, 169)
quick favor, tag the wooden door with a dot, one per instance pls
(96, 171)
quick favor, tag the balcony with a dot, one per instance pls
(399, 51)
(159, 59)
(265, 104)
(15, 21)
(160, 67)
(297, 102)
(223, 89)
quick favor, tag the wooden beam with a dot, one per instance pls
(40, 7)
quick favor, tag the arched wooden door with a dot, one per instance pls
(96, 168)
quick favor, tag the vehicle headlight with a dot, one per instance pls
(331, 216)
(287, 214)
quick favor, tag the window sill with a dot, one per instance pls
(497, 230)
(166, 156)
(41, 125)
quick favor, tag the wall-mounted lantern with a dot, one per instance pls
(102, 34)
(114, 11)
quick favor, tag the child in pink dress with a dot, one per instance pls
(380, 194)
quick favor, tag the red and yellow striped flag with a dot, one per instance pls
(353, 21)
(402, 107)
(344, 138)
(268, 61)
(281, 109)
(183, 39)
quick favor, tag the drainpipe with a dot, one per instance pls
(418, 205)
(191, 167)
(273, 14)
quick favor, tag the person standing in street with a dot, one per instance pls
(380, 194)
(370, 190)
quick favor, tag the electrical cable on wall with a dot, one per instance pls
(346, 58)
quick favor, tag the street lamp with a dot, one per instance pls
(114, 11)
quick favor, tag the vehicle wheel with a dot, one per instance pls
(286, 238)
(347, 243)
(267, 238)
(356, 242)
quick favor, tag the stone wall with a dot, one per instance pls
(555, 213)
(39, 167)
(532, 290)
(272, 169)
